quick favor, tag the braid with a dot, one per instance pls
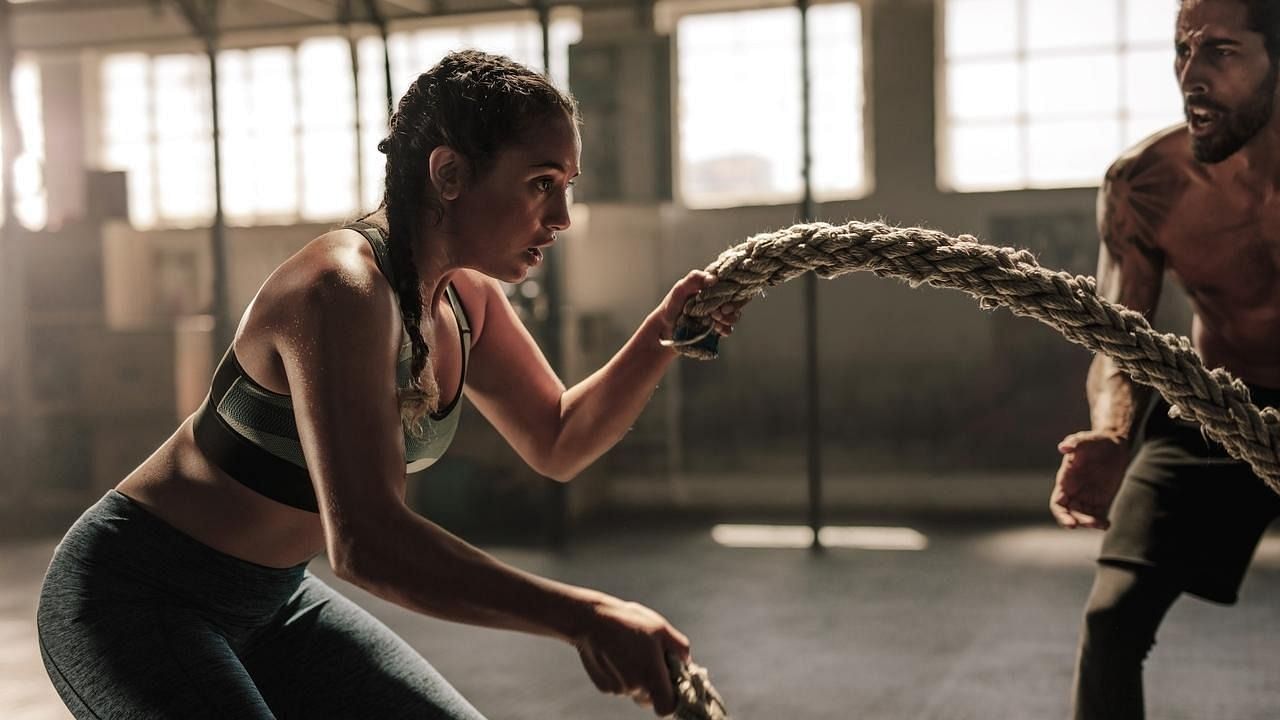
(405, 180)
(476, 104)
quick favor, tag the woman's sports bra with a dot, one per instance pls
(250, 433)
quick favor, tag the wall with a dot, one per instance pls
(926, 400)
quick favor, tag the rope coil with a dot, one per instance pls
(997, 277)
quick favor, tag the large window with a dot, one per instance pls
(30, 200)
(740, 138)
(287, 118)
(1045, 93)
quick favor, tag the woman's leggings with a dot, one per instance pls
(138, 620)
(1125, 608)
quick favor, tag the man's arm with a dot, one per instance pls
(1134, 202)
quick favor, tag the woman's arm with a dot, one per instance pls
(560, 432)
(338, 340)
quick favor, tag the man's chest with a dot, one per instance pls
(1231, 254)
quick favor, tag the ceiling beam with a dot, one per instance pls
(315, 9)
(417, 7)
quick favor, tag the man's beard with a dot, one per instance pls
(1240, 126)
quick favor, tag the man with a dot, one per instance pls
(1202, 201)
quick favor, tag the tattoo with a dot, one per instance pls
(1138, 195)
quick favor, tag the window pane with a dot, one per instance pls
(272, 91)
(31, 206)
(375, 168)
(181, 96)
(564, 33)
(416, 52)
(1062, 153)
(235, 105)
(239, 191)
(1139, 127)
(126, 108)
(1150, 87)
(1094, 75)
(184, 177)
(1071, 23)
(521, 42)
(732, 64)
(981, 27)
(836, 99)
(327, 97)
(329, 173)
(983, 90)
(985, 157)
(276, 176)
(1150, 21)
(1073, 85)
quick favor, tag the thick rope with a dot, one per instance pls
(997, 277)
(696, 699)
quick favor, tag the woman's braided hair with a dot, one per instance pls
(477, 104)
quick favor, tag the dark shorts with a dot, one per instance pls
(1188, 508)
(138, 620)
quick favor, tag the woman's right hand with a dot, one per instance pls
(624, 649)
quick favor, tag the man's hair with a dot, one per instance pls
(1264, 18)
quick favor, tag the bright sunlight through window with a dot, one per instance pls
(739, 105)
(287, 121)
(30, 200)
(1046, 93)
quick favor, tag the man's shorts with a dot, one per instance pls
(1188, 508)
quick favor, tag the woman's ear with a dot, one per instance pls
(448, 171)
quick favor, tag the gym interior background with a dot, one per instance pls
(123, 272)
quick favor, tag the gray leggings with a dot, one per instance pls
(138, 620)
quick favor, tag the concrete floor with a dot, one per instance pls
(981, 624)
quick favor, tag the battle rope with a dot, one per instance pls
(696, 699)
(997, 277)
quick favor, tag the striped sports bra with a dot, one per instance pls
(249, 432)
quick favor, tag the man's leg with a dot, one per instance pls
(1125, 607)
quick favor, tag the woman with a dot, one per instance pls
(184, 591)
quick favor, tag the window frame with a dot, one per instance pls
(667, 16)
(1023, 119)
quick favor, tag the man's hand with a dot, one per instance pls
(1093, 465)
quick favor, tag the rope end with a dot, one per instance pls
(694, 341)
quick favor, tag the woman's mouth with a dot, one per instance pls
(535, 255)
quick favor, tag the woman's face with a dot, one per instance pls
(507, 217)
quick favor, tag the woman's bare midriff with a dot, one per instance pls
(181, 487)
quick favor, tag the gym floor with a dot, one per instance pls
(979, 624)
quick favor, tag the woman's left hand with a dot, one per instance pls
(722, 318)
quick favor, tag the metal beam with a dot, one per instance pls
(203, 18)
(322, 11)
(13, 321)
(49, 7)
(812, 378)
(418, 7)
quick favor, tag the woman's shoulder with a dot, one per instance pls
(336, 265)
(477, 292)
(333, 278)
